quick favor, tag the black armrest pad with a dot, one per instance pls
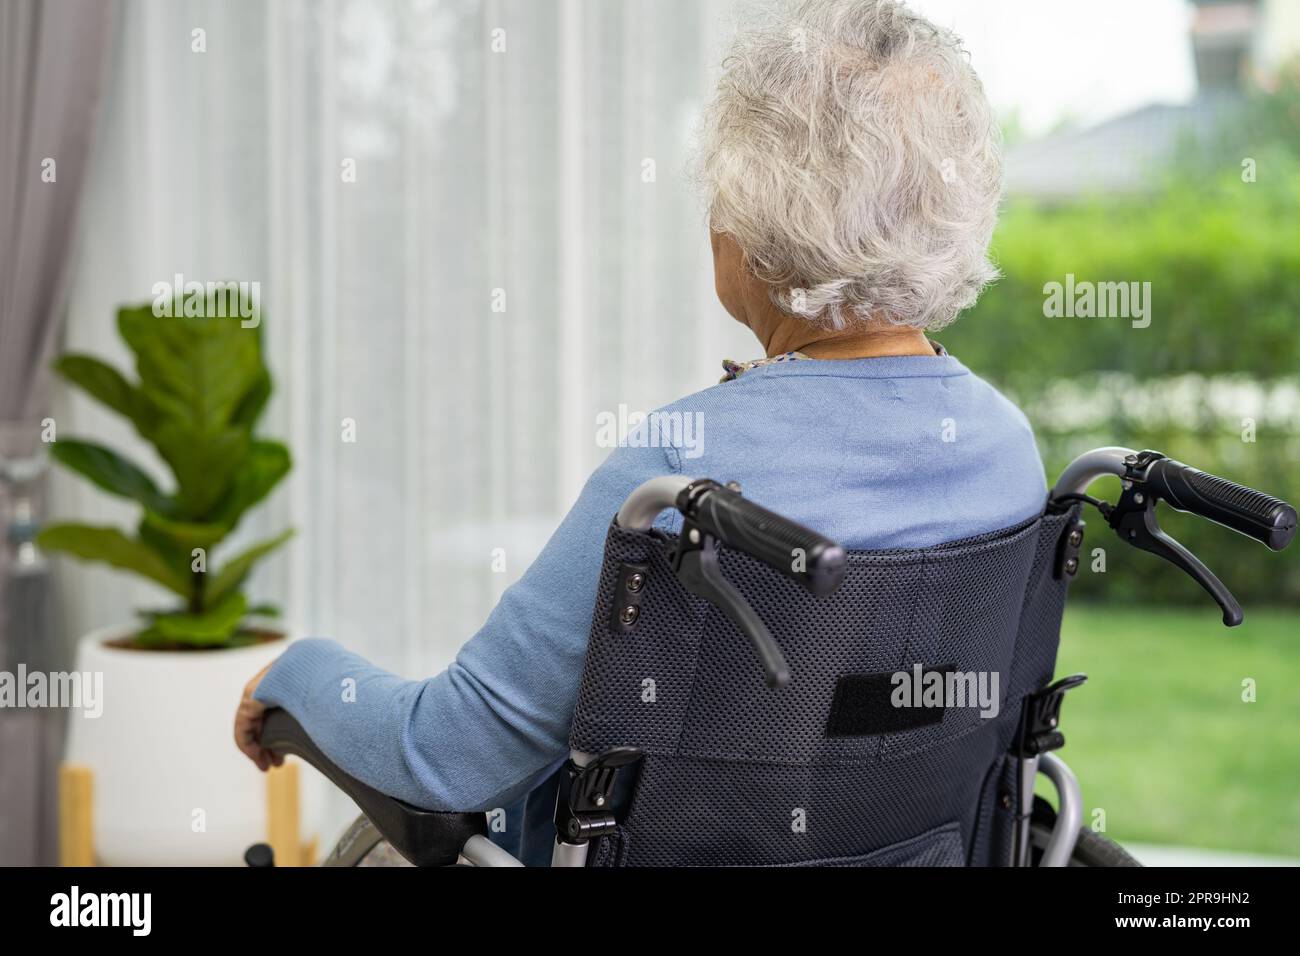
(424, 837)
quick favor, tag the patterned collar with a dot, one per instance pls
(734, 369)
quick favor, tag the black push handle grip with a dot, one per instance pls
(801, 554)
(1244, 510)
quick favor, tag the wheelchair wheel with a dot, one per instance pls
(1092, 849)
(382, 854)
(363, 845)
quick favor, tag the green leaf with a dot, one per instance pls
(267, 463)
(207, 464)
(196, 371)
(105, 383)
(213, 627)
(110, 471)
(204, 381)
(254, 403)
(111, 546)
(234, 571)
(179, 538)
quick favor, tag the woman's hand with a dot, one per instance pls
(248, 725)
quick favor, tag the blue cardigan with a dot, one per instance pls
(905, 451)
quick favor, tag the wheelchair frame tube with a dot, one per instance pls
(1028, 771)
(1074, 480)
(644, 504)
(566, 855)
(1069, 812)
(1088, 467)
(480, 851)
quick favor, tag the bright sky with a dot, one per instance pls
(1085, 60)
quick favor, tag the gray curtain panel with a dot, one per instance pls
(53, 66)
(53, 56)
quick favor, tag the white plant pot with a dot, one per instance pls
(170, 788)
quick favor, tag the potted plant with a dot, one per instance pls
(169, 785)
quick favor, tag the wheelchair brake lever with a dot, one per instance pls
(697, 567)
(1134, 519)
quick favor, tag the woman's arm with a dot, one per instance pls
(493, 725)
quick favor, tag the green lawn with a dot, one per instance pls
(1160, 737)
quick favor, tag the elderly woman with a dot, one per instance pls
(852, 169)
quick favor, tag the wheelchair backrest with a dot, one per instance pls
(827, 770)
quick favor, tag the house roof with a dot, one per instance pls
(1121, 155)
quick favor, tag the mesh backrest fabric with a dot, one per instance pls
(738, 774)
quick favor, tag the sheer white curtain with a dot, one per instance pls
(473, 235)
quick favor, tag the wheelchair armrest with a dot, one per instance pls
(424, 837)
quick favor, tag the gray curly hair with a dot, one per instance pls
(852, 155)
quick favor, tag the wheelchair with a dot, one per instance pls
(741, 700)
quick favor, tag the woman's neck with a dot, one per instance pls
(872, 342)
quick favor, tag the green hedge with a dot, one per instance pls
(1224, 268)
